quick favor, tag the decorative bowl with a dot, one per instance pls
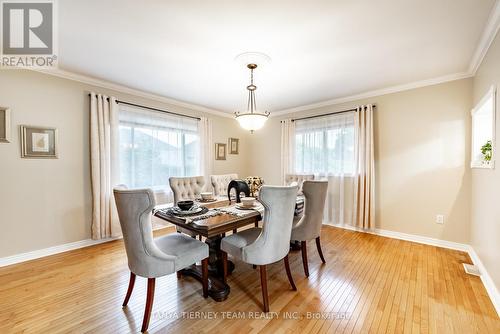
(185, 205)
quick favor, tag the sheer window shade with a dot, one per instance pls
(325, 145)
(155, 146)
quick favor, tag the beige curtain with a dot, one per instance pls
(364, 175)
(206, 149)
(287, 148)
(104, 165)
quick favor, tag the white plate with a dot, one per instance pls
(243, 207)
(194, 209)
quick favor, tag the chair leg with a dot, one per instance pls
(303, 247)
(235, 231)
(254, 266)
(224, 266)
(289, 274)
(149, 304)
(263, 284)
(199, 237)
(179, 275)
(204, 269)
(318, 246)
(256, 224)
(131, 283)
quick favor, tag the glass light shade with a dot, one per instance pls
(252, 122)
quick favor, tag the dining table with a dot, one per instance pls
(223, 216)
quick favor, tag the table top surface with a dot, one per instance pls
(213, 225)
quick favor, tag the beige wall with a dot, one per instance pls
(45, 203)
(485, 218)
(422, 144)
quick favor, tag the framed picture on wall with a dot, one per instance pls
(220, 151)
(4, 125)
(234, 145)
(38, 142)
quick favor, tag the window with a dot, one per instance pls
(483, 132)
(325, 145)
(155, 146)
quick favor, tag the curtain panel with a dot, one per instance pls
(364, 182)
(287, 148)
(104, 165)
(338, 148)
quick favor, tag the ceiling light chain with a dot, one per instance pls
(252, 119)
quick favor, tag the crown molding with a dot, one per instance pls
(487, 38)
(128, 90)
(375, 93)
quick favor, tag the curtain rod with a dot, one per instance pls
(331, 113)
(155, 109)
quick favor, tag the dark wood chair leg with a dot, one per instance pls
(149, 304)
(256, 224)
(318, 246)
(289, 274)
(131, 283)
(235, 230)
(200, 237)
(254, 266)
(204, 269)
(263, 284)
(179, 275)
(224, 266)
(303, 247)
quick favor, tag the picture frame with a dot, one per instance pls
(234, 146)
(39, 142)
(220, 151)
(4, 125)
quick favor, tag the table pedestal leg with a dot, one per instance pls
(217, 289)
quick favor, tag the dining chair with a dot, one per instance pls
(309, 225)
(220, 183)
(298, 178)
(186, 188)
(153, 257)
(269, 244)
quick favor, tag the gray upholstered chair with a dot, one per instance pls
(269, 244)
(153, 257)
(309, 225)
(220, 183)
(186, 188)
(298, 178)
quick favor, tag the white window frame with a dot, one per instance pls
(482, 164)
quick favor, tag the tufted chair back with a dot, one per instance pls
(309, 226)
(299, 178)
(144, 257)
(185, 188)
(220, 183)
(273, 244)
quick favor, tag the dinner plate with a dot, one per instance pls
(194, 210)
(243, 207)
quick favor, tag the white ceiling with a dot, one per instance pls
(320, 50)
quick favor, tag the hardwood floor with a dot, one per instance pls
(368, 284)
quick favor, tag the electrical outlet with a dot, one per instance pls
(439, 219)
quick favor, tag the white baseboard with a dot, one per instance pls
(409, 237)
(487, 280)
(9, 260)
(18, 258)
(488, 283)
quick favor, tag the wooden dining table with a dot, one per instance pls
(213, 229)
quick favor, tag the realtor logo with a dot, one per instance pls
(28, 34)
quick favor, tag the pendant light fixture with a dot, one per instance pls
(251, 120)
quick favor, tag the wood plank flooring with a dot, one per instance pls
(370, 284)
